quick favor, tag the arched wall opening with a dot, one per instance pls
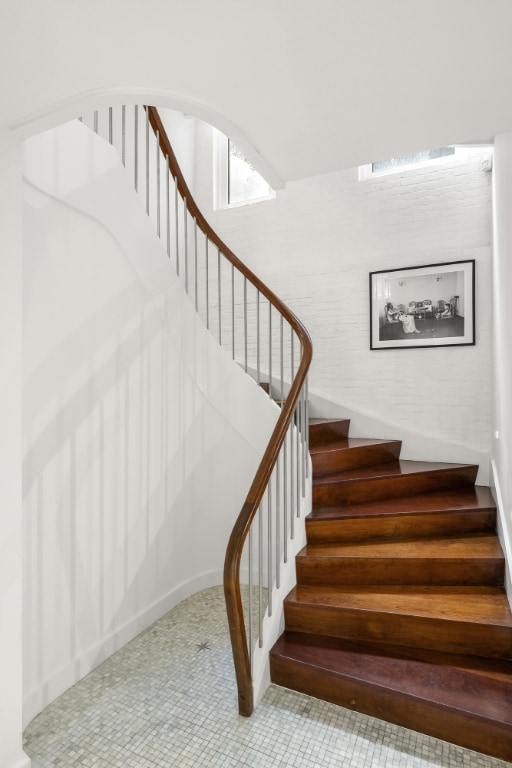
(82, 103)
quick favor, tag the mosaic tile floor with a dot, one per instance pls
(168, 699)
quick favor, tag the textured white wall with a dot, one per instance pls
(133, 420)
(11, 754)
(502, 417)
(315, 245)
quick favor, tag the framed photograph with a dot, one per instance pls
(428, 306)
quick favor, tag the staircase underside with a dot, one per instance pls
(400, 610)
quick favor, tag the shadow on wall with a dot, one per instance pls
(128, 443)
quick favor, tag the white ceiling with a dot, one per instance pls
(304, 86)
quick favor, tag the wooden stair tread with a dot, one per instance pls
(473, 547)
(348, 443)
(479, 605)
(315, 422)
(496, 669)
(468, 683)
(464, 498)
(398, 468)
(462, 699)
(324, 431)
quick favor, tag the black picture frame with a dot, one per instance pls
(432, 305)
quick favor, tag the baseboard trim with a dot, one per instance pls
(35, 700)
(503, 533)
(22, 761)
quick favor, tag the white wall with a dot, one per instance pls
(181, 131)
(11, 755)
(315, 245)
(502, 335)
(134, 420)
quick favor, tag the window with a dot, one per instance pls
(245, 184)
(238, 183)
(388, 166)
(406, 162)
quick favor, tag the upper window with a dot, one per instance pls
(238, 183)
(406, 162)
(245, 184)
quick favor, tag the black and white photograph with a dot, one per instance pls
(427, 306)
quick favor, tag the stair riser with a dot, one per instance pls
(417, 571)
(421, 525)
(362, 490)
(462, 728)
(400, 629)
(353, 458)
(320, 434)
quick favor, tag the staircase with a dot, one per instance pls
(400, 610)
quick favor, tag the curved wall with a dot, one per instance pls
(141, 436)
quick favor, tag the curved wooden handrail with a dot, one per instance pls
(268, 461)
(202, 223)
(243, 523)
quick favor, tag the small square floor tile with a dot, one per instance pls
(168, 700)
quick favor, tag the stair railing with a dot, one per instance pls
(264, 337)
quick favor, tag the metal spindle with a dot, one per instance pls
(269, 552)
(298, 456)
(207, 285)
(293, 458)
(295, 440)
(123, 134)
(219, 296)
(233, 311)
(95, 121)
(293, 465)
(136, 144)
(282, 358)
(185, 240)
(167, 209)
(270, 349)
(147, 161)
(285, 498)
(292, 356)
(245, 323)
(306, 436)
(258, 372)
(249, 558)
(260, 576)
(176, 225)
(290, 435)
(278, 523)
(303, 438)
(158, 183)
(110, 125)
(195, 262)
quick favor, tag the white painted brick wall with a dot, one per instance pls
(315, 245)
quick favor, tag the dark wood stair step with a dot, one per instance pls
(323, 431)
(462, 699)
(471, 560)
(459, 511)
(390, 480)
(467, 620)
(351, 453)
